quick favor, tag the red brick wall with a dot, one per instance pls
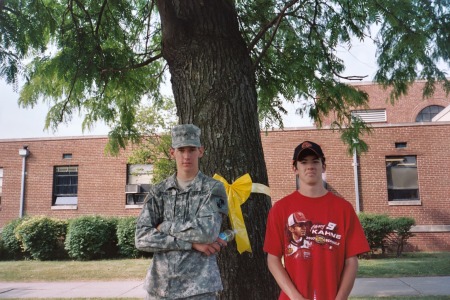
(433, 241)
(405, 109)
(101, 179)
(424, 141)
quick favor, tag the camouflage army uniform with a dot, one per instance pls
(190, 216)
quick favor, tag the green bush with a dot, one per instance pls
(91, 237)
(376, 228)
(42, 237)
(12, 246)
(401, 233)
(2, 248)
(126, 228)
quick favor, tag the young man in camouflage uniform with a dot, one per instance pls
(180, 224)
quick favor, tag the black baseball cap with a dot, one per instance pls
(308, 146)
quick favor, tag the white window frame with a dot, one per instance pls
(139, 177)
(402, 178)
(66, 200)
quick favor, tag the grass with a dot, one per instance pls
(353, 298)
(105, 270)
(403, 298)
(411, 264)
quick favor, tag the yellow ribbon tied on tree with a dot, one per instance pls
(237, 194)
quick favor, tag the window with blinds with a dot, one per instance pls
(65, 185)
(402, 178)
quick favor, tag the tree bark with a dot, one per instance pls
(214, 87)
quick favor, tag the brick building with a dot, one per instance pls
(404, 173)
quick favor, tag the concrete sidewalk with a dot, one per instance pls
(403, 286)
(73, 289)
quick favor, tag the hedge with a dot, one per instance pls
(125, 237)
(11, 244)
(91, 237)
(42, 237)
(383, 232)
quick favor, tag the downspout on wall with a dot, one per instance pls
(24, 153)
(355, 172)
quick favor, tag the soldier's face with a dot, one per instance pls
(187, 158)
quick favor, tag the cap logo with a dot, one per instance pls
(306, 145)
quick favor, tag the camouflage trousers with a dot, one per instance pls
(207, 296)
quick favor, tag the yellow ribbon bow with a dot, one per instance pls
(237, 194)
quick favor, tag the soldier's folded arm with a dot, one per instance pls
(147, 236)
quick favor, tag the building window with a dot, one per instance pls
(402, 179)
(428, 113)
(65, 185)
(139, 177)
(401, 145)
(1, 186)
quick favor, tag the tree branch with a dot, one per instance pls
(100, 14)
(132, 67)
(152, 6)
(80, 5)
(266, 47)
(275, 20)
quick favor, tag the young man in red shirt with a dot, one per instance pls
(322, 263)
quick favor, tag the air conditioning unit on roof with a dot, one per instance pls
(132, 188)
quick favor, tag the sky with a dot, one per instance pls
(17, 122)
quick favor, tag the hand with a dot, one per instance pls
(209, 249)
(206, 249)
(221, 242)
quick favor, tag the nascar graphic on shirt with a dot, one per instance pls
(302, 234)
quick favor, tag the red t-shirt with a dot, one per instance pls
(315, 236)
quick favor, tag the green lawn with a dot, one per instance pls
(369, 298)
(411, 264)
(30, 270)
(404, 298)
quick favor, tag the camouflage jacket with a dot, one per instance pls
(190, 216)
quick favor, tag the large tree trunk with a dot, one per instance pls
(214, 87)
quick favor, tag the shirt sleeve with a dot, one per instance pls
(147, 236)
(273, 241)
(205, 227)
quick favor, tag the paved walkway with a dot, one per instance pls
(403, 286)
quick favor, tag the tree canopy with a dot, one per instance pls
(104, 57)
